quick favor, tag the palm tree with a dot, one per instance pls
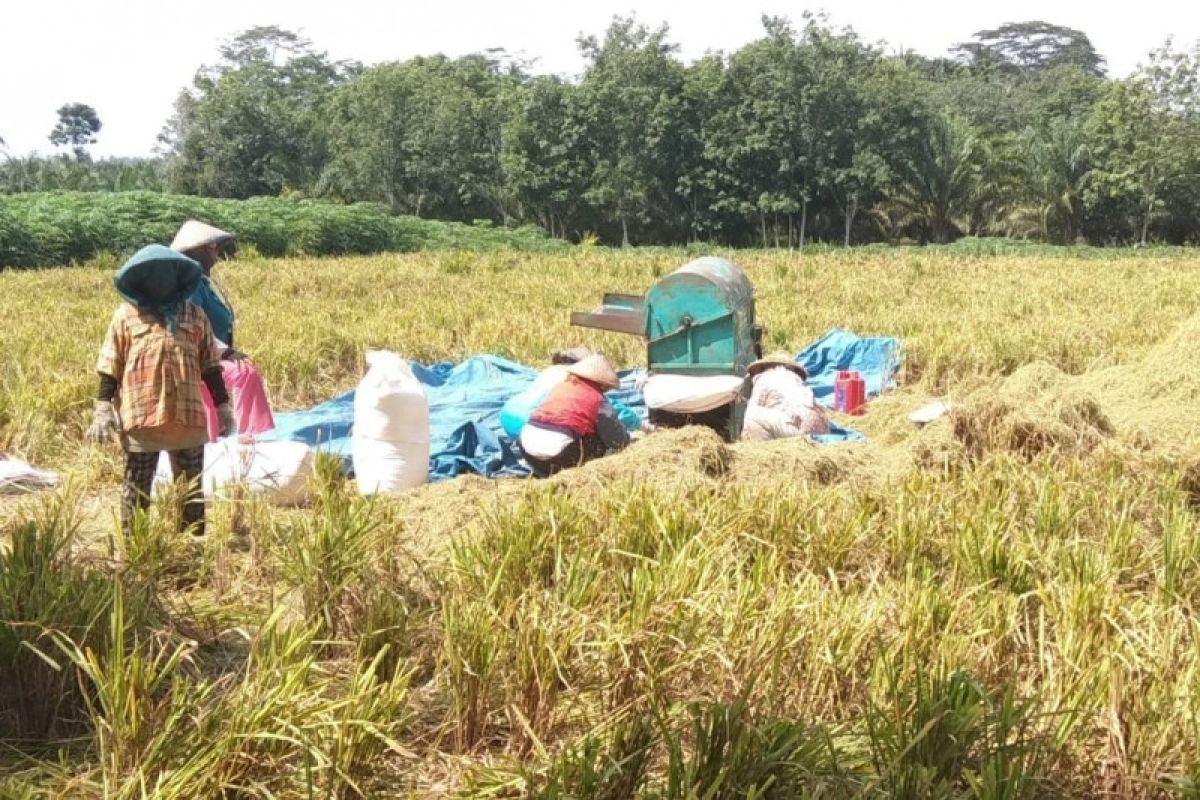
(939, 188)
(1058, 167)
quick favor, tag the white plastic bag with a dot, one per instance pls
(276, 471)
(930, 412)
(690, 394)
(390, 443)
(18, 477)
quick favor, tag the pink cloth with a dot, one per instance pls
(251, 405)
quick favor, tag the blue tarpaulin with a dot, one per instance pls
(875, 358)
(465, 401)
(464, 417)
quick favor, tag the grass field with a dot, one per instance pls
(1003, 605)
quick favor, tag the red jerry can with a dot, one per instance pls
(850, 393)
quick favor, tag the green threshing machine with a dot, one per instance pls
(698, 321)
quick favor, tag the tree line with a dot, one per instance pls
(806, 134)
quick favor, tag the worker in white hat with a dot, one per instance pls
(575, 422)
(252, 406)
(782, 404)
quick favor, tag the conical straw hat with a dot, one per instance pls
(597, 370)
(779, 359)
(571, 356)
(197, 234)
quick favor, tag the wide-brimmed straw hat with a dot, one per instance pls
(596, 369)
(571, 356)
(780, 359)
(195, 234)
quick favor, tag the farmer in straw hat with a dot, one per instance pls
(575, 422)
(252, 406)
(781, 403)
(158, 352)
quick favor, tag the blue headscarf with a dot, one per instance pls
(159, 280)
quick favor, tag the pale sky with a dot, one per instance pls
(129, 59)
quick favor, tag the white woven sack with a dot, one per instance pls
(275, 471)
(389, 467)
(390, 403)
(689, 394)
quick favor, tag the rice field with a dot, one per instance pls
(1000, 605)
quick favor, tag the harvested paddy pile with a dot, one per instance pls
(1158, 396)
(1037, 408)
(683, 456)
(1146, 407)
(437, 511)
(801, 460)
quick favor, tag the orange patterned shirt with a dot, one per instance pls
(159, 373)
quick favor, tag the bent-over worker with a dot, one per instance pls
(781, 404)
(575, 423)
(158, 352)
(251, 404)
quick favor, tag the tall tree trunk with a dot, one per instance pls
(790, 239)
(1146, 219)
(851, 212)
(775, 220)
(1077, 232)
(624, 231)
(803, 220)
(695, 219)
(762, 220)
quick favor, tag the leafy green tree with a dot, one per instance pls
(896, 104)
(854, 127)
(544, 162)
(1147, 131)
(253, 123)
(696, 169)
(759, 143)
(77, 127)
(789, 129)
(630, 100)
(425, 136)
(1058, 171)
(1030, 47)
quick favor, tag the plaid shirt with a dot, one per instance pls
(159, 373)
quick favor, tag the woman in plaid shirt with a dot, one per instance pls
(158, 350)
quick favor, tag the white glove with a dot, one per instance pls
(105, 426)
(225, 422)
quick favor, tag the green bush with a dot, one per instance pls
(42, 229)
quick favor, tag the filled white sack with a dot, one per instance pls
(390, 443)
(690, 394)
(277, 471)
(389, 467)
(390, 403)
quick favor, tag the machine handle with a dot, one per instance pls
(686, 323)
